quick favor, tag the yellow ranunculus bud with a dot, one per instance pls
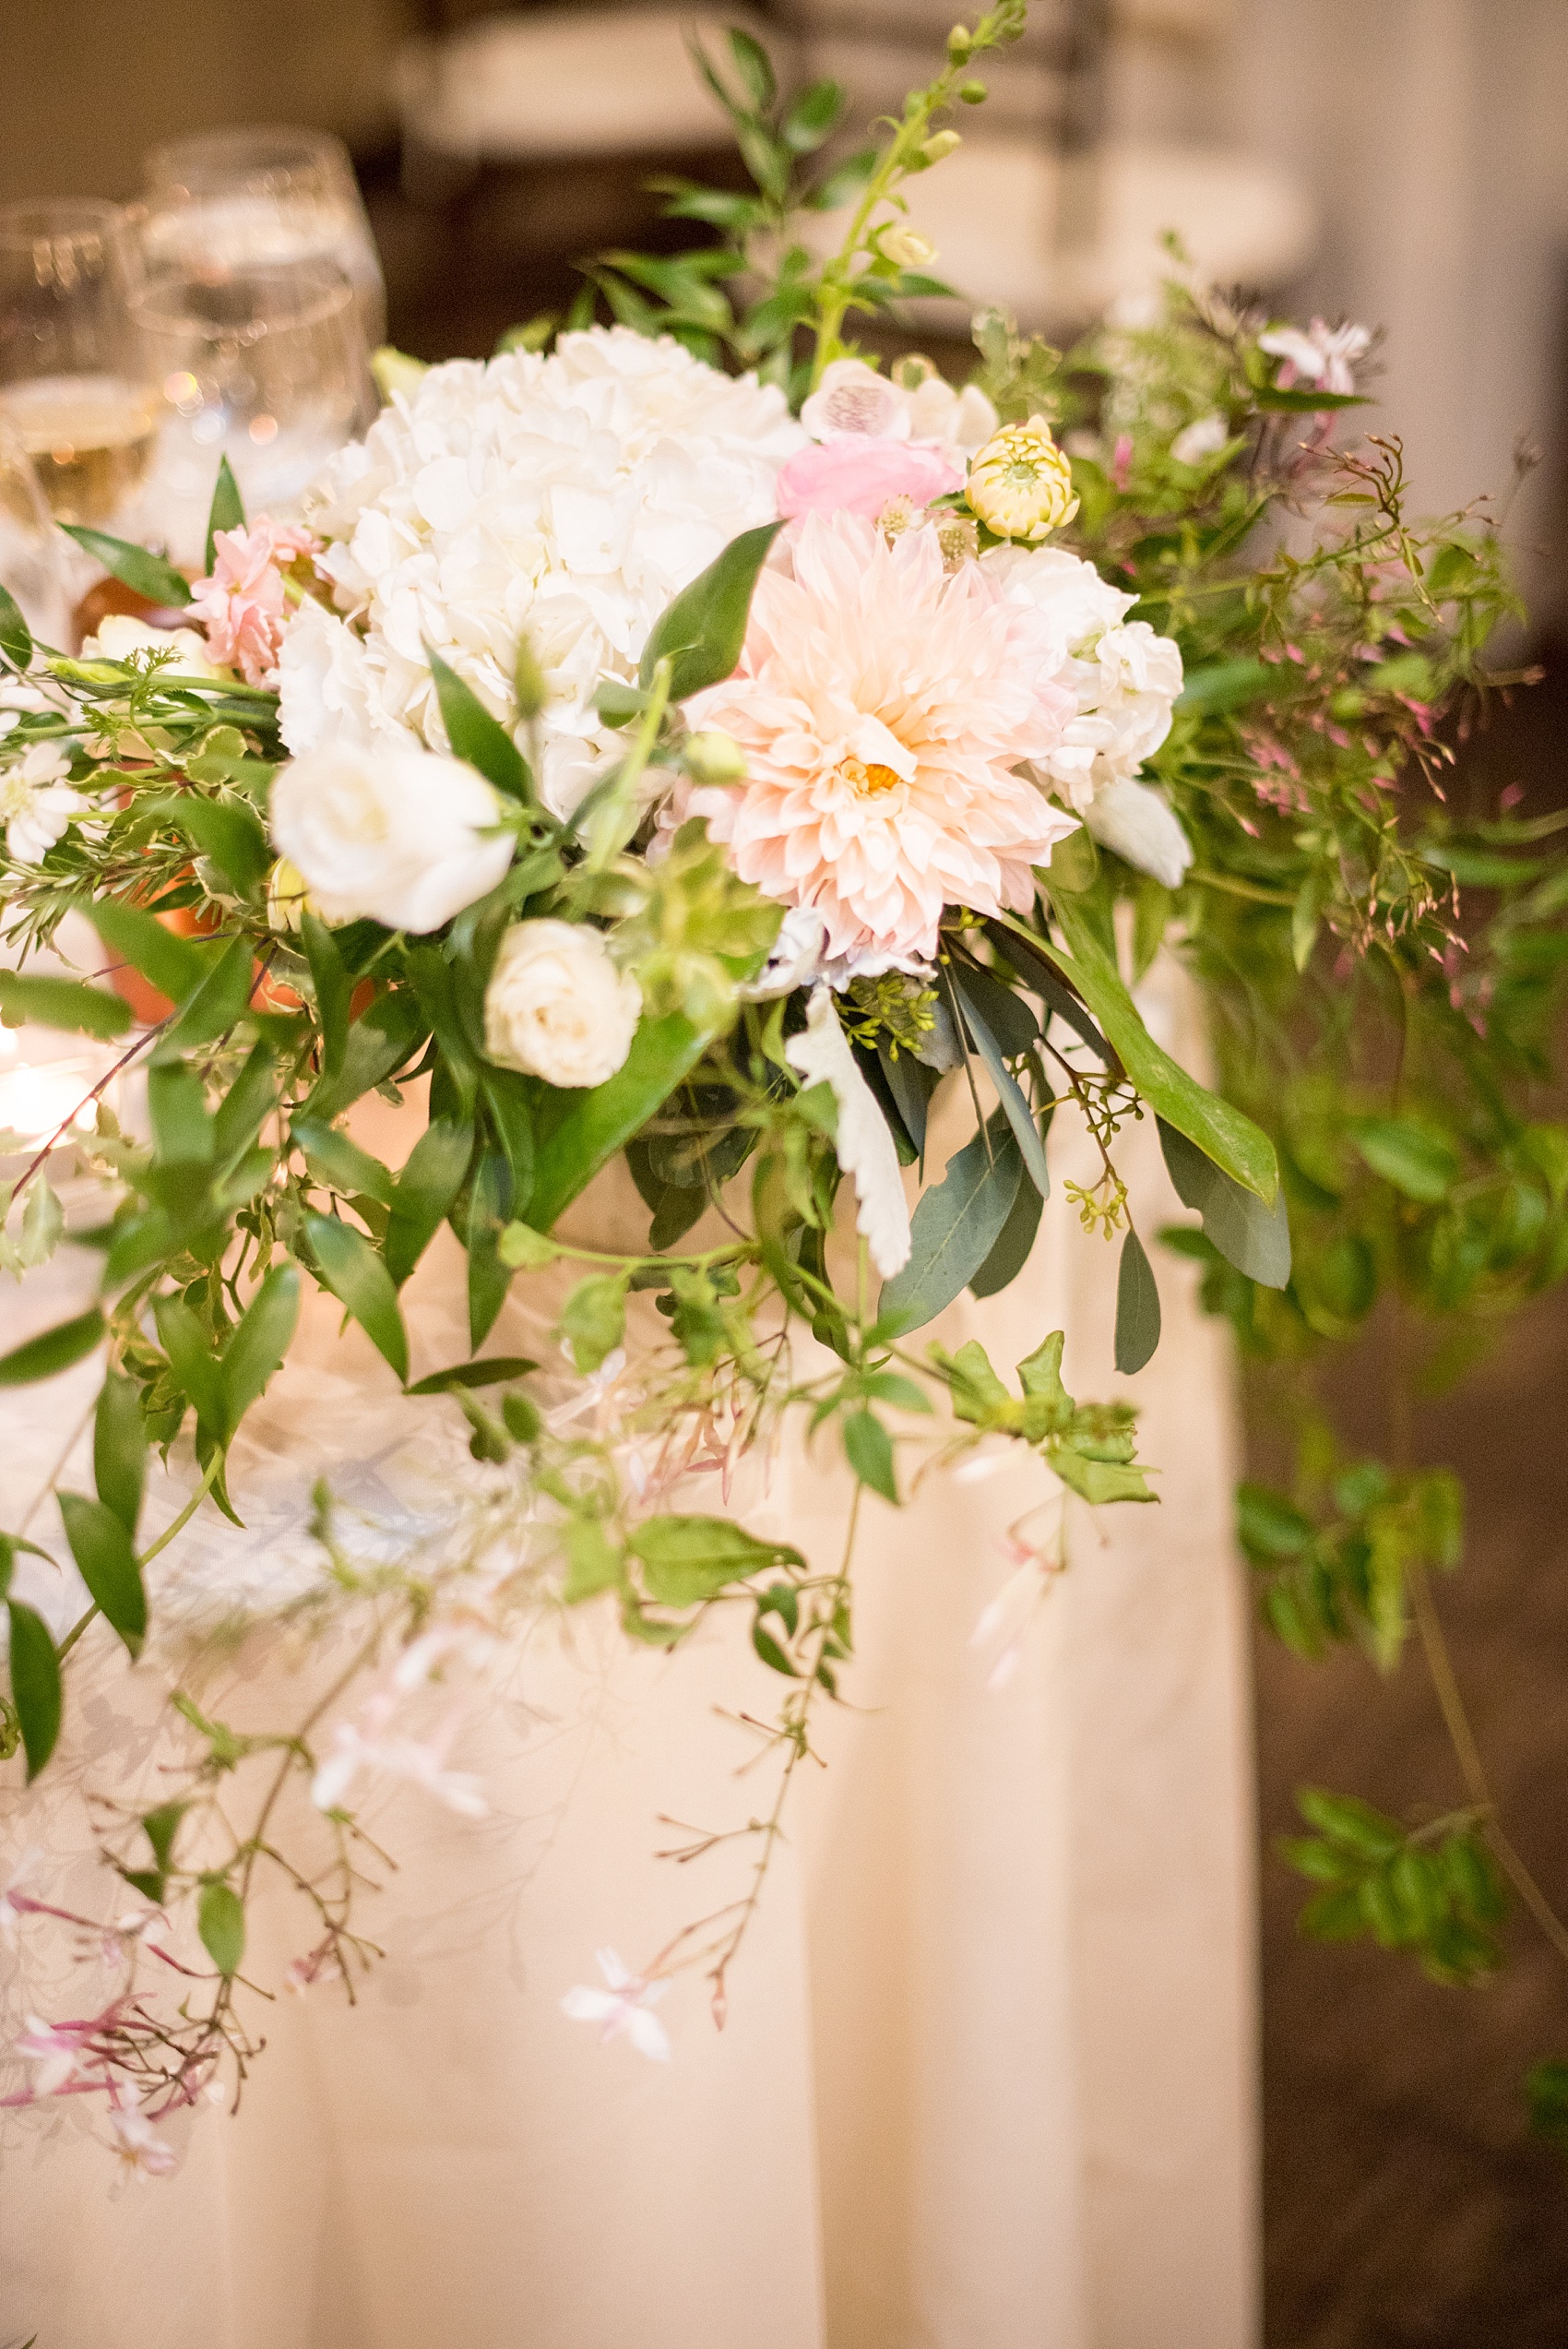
(1020, 484)
(287, 899)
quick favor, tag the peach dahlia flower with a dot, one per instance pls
(883, 705)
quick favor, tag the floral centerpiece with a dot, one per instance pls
(686, 741)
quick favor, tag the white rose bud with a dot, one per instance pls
(395, 835)
(557, 1007)
(1140, 827)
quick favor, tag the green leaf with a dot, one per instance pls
(223, 997)
(488, 1372)
(475, 735)
(221, 1921)
(599, 1122)
(35, 1685)
(1137, 1307)
(182, 1132)
(812, 116)
(593, 1319)
(424, 1191)
(957, 1223)
(226, 511)
(488, 1278)
(174, 966)
(333, 989)
(258, 1345)
(1226, 684)
(340, 1163)
(16, 636)
(688, 1559)
(61, 1003)
(1308, 402)
(1254, 1238)
(1098, 1482)
(119, 1448)
(1420, 1163)
(1268, 1526)
(1220, 1131)
(869, 1449)
(350, 1267)
(702, 632)
(1014, 1244)
(138, 567)
(229, 831)
(1546, 2086)
(249, 1102)
(526, 1251)
(193, 1362)
(107, 1564)
(756, 70)
(1344, 1818)
(378, 1043)
(593, 1562)
(53, 1351)
(1015, 1108)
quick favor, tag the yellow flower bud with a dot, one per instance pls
(908, 247)
(287, 899)
(1020, 484)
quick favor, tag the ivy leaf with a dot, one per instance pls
(1254, 1238)
(53, 1351)
(61, 1003)
(1137, 1307)
(702, 631)
(221, 1921)
(119, 1448)
(107, 1564)
(138, 567)
(475, 735)
(688, 1559)
(35, 1685)
(957, 1223)
(869, 1449)
(226, 511)
(350, 1267)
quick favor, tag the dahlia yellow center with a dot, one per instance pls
(1020, 484)
(866, 779)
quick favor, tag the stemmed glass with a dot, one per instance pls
(33, 568)
(73, 378)
(264, 363)
(234, 199)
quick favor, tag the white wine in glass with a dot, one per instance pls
(73, 380)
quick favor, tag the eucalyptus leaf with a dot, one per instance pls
(1254, 1238)
(1137, 1307)
(957, 1223)
(1015, 1106)
(1014, 1244)
(598, 1122)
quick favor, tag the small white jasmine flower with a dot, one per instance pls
(864, 1146)
(1324, 356)
(138, 2144)
(36, 803)
(366, 1745)
(55, 2048)
(621, 2008)
(14, 1902)
(1202, 438)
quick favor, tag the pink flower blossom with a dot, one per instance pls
(60, 2050)
(883, 705)
(622, 2008)
(860, 475)
(243, 606)
(1325, 356)
(15, 1903)
(138, 2144)
(368, 1743)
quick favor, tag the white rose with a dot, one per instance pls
(1138, 825)
(397, 835)
(557, 1007)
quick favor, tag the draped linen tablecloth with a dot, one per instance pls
(987, 2078)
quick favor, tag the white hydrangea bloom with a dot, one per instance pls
(567, 497)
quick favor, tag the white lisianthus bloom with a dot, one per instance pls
(398, 836)
(557, 1007)
(1132, 819)
(36, 803)
(564, 500)
(864, 1146)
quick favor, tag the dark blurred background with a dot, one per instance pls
(1404, 162)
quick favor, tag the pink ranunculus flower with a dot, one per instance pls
(243, 606)
(883, 705)
(860, 475)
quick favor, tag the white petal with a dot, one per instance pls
(865, 1149)
(585, 2005)
(647, 2035)
(1137, 824)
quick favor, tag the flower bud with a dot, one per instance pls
(1020, 484)
(714, 759)
(944, 142)
(973, 93)
(961, 41)
(908, 247)
(287, 899)
(528, 681)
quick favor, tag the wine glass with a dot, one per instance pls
(264, 363)
(73, 378)
(31, 567)
(233, 198)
